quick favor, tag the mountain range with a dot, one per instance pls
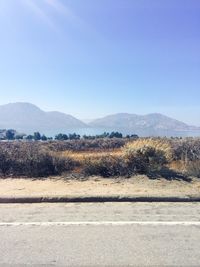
(28, 118)
(154, 124)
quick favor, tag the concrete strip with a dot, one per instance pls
(96, 199)
(103, 223)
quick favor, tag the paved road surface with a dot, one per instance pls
(110, 234)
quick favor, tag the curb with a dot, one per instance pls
(94, 199)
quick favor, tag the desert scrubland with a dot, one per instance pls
(170, 158)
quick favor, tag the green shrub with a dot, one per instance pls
(85, 145)
(106, 166)
(63, 164)
(30, 160)
(193, 168)
(144, 160)
(187, 149)
(5, 162)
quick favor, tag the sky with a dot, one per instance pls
(91, 58)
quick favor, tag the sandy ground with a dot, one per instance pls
(95, 186)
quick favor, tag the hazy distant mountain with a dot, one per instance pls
(25, 117)
(145, 125)
(28, 118)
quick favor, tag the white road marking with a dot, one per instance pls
(104, 223)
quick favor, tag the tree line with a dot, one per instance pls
(37, 136)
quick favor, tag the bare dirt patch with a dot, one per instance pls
(97, 186)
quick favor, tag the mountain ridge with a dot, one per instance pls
(26, 117)
(154, 124)
(150, 116)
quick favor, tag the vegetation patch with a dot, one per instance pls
(193, 168)
(106, 157)
(106, 166)
(31, 160)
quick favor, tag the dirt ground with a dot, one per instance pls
(96, 186)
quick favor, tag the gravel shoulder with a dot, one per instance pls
(140, 186)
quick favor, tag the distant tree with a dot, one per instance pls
(115, 135)
(61, 137)
(89, 137)
(10, 134)
(58, 137)
(134, 136)
(2, 134)
(37, 136)
(74, 136)
(19, 136)
(43, 138)
(104, 135)
(29, 137)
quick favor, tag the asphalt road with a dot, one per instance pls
(110, 234)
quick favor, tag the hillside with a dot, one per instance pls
(144, 125)
(26, 117)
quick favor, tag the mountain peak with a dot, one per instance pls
(28, 118)
(21, 104)
(144, 125)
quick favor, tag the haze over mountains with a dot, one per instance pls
(28, 118)
(154, 124)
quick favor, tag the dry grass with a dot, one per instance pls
(31, 160)
(163, 145)
(108, 157)
(193, 168)
(178, 165)
(85, 155)
(149, 152)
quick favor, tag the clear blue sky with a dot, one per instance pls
(90, 58)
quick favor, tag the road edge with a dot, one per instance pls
(95, 199)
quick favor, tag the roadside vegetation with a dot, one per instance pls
(105, 155)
